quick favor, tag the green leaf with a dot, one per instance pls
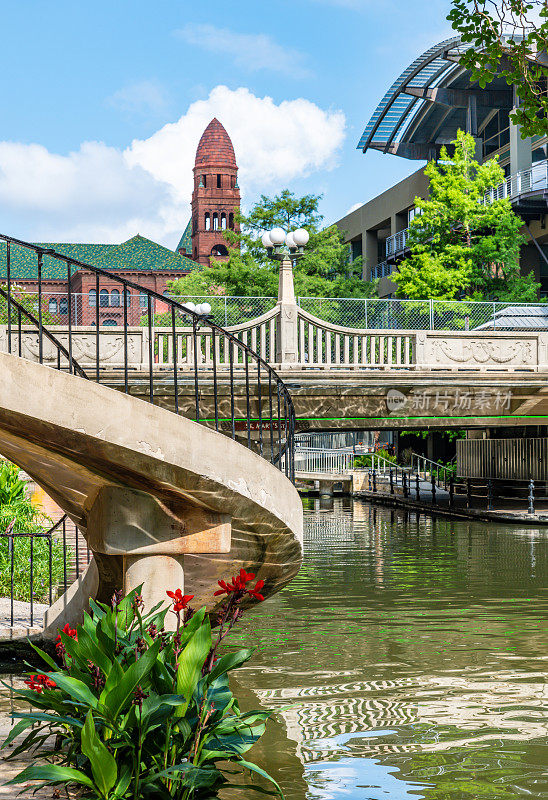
(21, 726)
(103, 764)
(74, 688)
(254, 768)
(52, 773)
(113, 678)
(191, 661)
(116, 699)
(89, 650)
(49, 661)
(228, 662)
(123, 783)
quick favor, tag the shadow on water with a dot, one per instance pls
(407, 659)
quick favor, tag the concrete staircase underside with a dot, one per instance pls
(157, 496)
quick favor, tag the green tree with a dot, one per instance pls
(508, 38)
(324, 270)
(460, 245)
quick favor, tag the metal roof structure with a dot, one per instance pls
(526, 317)
(429, 102)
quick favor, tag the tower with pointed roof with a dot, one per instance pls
(216, 196)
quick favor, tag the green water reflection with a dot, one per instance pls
(407, 659)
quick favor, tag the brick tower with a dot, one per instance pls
(216, 195)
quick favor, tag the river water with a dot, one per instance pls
(406, 660)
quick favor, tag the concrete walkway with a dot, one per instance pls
(502, 511)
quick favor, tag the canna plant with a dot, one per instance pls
(138, 711)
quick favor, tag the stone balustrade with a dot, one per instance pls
(314, 345)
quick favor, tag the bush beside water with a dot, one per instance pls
(17, 511)
(141, 712)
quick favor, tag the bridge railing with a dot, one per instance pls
(319, 461)
(321, 343)
(239, 394)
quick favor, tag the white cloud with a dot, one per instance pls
(141, 98)
(101, 193)
(251, 51)
(353, 208)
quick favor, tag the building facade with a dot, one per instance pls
(422, 111)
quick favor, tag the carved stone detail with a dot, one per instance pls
(481, 351)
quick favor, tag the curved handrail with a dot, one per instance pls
(280, 411)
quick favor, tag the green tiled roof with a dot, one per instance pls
(185, 242)
(137, 254)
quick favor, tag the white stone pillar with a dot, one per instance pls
(287, 343)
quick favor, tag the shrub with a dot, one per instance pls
(22, 518)
(140, 712)
(367, 459)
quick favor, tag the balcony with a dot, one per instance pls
(515, 187)
(381, 270)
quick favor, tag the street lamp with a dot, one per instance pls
(280, 245)
(202, 309)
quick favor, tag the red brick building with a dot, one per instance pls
(216, 195)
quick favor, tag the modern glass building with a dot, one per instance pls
(422, 111)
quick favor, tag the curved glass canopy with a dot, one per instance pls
(397, 110)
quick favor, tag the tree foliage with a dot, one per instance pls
(323, 271)
(510, 38)
(460, 245)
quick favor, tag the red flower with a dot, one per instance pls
(238, 586)
(70, 632)
(180, 601)
(39, 682)
(255, 592)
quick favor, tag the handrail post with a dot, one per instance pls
(417, 487)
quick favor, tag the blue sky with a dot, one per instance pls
(104, 102)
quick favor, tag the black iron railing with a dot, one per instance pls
(39, 565)
(196, 368)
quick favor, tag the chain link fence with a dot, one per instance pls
(458, 315)
(349, 312)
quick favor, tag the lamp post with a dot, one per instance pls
(281, 245)
(286, 248)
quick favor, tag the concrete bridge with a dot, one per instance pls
(160, 499)
(339, 377)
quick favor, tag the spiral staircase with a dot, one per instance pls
(167, 498)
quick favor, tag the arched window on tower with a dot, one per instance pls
(219, 181)
(215, 222)
(92, 295)
(231, 221)
(223, 221)
(103, 298)
(204, 181)
(219, 250)
(115, 298)
(207, 221)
